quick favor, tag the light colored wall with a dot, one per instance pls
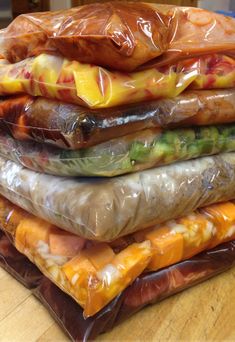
(214, 5)
(232, 5)
(59, 4)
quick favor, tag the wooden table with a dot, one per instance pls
(203, 313)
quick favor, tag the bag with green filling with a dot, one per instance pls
(134, 152)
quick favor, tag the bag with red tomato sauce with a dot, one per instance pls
(120, 35)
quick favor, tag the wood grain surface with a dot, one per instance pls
(203, 313)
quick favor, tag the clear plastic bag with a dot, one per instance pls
(72, 127)
(119, 35)
(105, 209)
(17, 264)
(134, 152)
(147, 289)
(95, 87)
(95, 273)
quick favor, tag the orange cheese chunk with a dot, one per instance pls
(222, 213)
(167, 248)
(133, 260)
(100, 255)
(79, 271)
(78, 266)
(30, 232)
(223, 217)
(115, 277)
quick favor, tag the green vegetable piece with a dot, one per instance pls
(139, 152)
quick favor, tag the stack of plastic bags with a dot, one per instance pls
(138, 100)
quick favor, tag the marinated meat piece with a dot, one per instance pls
(119, 35)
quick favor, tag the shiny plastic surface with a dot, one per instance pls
(95, 273)
(134, 152)
(104, 209)
(146, 289)
(17, 264)
(95, 87)
(119, 35)
(73, 127)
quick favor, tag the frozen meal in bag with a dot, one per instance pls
(95, 273)
(96, 87)
(72, 127)
(119, 35)
(134, 152)
(147, 289)
(105, 209)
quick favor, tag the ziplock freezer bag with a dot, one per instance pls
(95, 87)
(104, 209)
(17, 264)
(72, 127)
(147, 289)
(69, 253)
(134, 152)
(119, 35)
(95, 273)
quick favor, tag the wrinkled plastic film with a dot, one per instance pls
(95, 273)
(76, 265)
(121, 36)
(104, 209)
(147, 289)
(73, 127)
(95, 87)
(17, 264)
(134, 152)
